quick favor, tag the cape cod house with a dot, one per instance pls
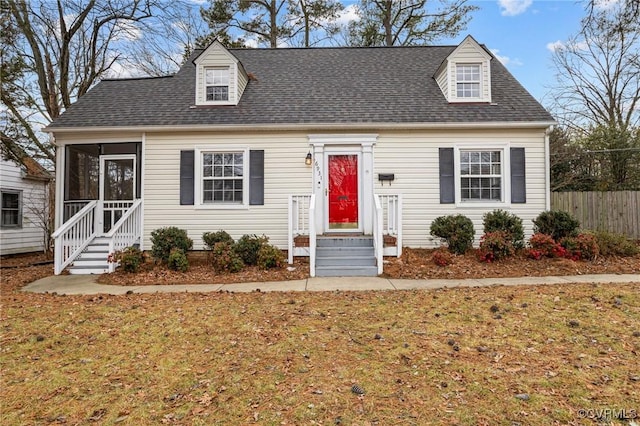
(319, 149)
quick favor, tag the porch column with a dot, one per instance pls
(367, 186)
(318, 185)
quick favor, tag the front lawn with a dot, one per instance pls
(470, 356)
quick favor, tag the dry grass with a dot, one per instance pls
(457, 356)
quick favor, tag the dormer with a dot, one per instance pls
(220, 76)
(465, 76)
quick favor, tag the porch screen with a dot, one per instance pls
(82, 172)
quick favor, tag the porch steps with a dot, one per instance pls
(345, 257)
(93, 260)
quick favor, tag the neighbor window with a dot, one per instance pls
(481, 175)
(223, 177)
(11, 209)
(468, 80)
(217, 84)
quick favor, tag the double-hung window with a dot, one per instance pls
(468, 80)
(481, 175)
(217, 84)
(11, 209)
(223, 178)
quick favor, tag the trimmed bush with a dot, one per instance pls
(582, 247)
(558, 224)
(611, 244)
(503, 221)
(130, 259)
(248, 247)
(225, 259)
(495, 246)
(211, 238)
(456, 230)
(270, 257)
(165, 239)
(178, 260)
(442, 258)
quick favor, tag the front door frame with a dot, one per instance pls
(323, 145)
(99, 220)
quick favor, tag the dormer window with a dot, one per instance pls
(217, 84)
(468, 81)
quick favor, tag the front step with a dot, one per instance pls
(93, 260)
(345, 257)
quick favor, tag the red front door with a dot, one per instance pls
(343, 191)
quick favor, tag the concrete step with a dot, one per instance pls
(344, 251)
(346, 261)
(346, 271)
(89, 270)
(355, 241)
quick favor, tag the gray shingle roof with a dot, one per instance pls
(308, 86)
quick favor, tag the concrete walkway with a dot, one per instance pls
(86, 284)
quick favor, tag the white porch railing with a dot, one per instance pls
(113, 211)
(127, 231)
(298, 223)
(312, 236)
(70, 208)
(74, 236)
(378, 239)
(392, 222)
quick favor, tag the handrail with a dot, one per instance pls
(126, 231)
(378, 240)
(298, 220)
(312, 235)
(74, 236)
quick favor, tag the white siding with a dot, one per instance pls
(469, 52)
(443, 82)
(413, 157)
(30, 237)
(285, 174)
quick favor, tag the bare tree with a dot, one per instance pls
(598, 88)
(308, 17)
(407, 22)
(66, 46)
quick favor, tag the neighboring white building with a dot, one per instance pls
(303, 142)
(24, 192)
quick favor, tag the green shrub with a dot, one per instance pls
(130, 259)
(165, 239)
(211, 238)
(558, 224)
(612, 244)
(495, 246)
(503, 221)
(248, 247)
(178, 260)
(270, 257)
(225, 259)
(582, 247)
(456, 230)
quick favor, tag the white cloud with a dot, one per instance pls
(558, 44)
(513, 7)
(515, 62)
(347, 15)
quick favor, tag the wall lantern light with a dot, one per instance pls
(307, 159)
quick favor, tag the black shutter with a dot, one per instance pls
(447, 178)
(518, 180)
(187, 170)
(256, 177)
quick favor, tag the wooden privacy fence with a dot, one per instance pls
(613, 211)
